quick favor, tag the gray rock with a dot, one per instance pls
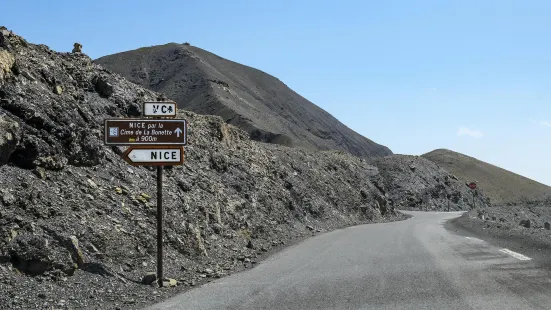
(7, 197)
(149, 278)
(77, 48)
(40, 172)
(10, 134)
(27, 75)
(547, 225)
(525, 223)
(92, 184)
(35, 255)
(103, 87)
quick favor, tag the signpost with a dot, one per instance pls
(153, 142)
(472, 186)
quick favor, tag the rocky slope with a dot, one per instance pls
(77, 224)
(415, 183)
(243, 96)
(500, 185)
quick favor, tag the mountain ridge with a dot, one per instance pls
(244, 96)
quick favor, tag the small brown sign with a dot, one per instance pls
(133, 131)
(154, 155)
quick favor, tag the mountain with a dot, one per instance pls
(252, 100)
(74, 216)
(500, 185)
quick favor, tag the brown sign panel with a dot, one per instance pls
(134, 131)
(154, 155)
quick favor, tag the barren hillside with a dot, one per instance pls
(416, 183)
(255, 101)
(500, 185)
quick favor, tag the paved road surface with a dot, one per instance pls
(412, 264)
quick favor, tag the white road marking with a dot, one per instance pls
(515, 254)
(475, 239)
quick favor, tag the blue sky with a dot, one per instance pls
(471, 76)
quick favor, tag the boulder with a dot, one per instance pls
(10, 135)
(77, 254)
(170, 282)
(525, 223)
(149, 278)
(6, 63)
(58, 89)
(103, 87)
(34, 255)
(7, 198)
(77, 48)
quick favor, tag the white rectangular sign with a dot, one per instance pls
(159, 109)
(154, 155)
(140, 156)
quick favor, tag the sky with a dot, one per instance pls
(473, 76)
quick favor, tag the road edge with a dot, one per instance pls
(539, 251)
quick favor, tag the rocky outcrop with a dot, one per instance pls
(416, 183)
(36, 255)
(9, 137)
(77, 48)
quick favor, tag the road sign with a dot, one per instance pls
(472, 185)
(159, 109)
(154, 155)
(134, 131)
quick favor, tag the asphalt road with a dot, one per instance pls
(412, 264)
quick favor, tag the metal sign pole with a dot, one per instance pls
(160, 225)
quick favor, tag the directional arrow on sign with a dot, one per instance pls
(154, 155)
(178, 132)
